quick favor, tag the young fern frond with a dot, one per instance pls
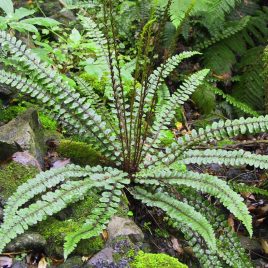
(178, 211)
(167, 112)
(244, 188)
(233, 101)
(224, 157)
(200, 182)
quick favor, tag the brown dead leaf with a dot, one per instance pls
(231, 222)
(177, 246)
(264, 244)
(105, 235)
(42, 263)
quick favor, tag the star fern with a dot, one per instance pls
(140, 166)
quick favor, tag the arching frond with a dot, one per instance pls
(201, 182)
(228, 158)
(179, 211)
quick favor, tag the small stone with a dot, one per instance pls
(104, 256)
(19, 264)
(119, 226)
(27, 241)
(74, 262)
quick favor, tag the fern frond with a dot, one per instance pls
(179, 211)
(229, 30)
(244, 188)
(234, 102)
(41, 183)
(201, 182)
(167, 112)
(99, 217)
(52, 83)
(162, 72)
(50, 203)
(96, 36)
(228, 158)
(229, 248)
(217, 131)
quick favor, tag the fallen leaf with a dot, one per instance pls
(42, 263)
(177, 246)
(5, 261)
(178, 125)
(231, 222)
(264, 244)
(61, 163)
(105, 235)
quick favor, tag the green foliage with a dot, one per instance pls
(149, 260)
(17, 19)
(127, 132)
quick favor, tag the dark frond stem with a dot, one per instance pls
(144, 82)
(160, 31)
(115, 86)
(140, 56)
(117, 65)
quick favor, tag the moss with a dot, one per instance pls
(54, 230)
(149, 260)
(13, 175)
(79, 152)
(7, 114)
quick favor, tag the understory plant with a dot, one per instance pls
(128, 131)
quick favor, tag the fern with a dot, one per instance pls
(145, 170)
(233, 158)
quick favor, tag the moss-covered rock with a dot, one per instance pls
(149, 260)
(54, 229)
(79, 152)
(12, 175)
(9, 113)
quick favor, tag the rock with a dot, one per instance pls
(74, 262)
(125, 240)
(27, 241)
(26, 159)
(19, 264)
(23, 133)
(105, 256)
(250, 244)
(5, 90)
(119, 226)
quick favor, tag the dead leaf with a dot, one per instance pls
(61, 163)
(178, 125)
(105, 235)
(5, 261)
(177, 246)
(264, 244)
(231, 222)
(42, 263)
